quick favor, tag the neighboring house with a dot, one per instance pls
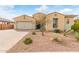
(6, 24)
(24, 22)
(53, 21)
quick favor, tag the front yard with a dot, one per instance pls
(46, 44)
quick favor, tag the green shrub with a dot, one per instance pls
(33, 33)
(28, 41)
(75, 27)
(56, 39)
(64, 33)
(57, 31)
(77, 35)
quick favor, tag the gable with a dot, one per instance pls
(55, 15)
(24, 18)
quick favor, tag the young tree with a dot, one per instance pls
(75, 27)
(40, 18)
(43, 23)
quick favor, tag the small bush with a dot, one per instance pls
(33, 33)
(75, 27)
(65, 33)
(57, 31)
(77, 35)
(58, 39)
(28, 41)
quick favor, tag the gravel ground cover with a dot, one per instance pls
(46, 44)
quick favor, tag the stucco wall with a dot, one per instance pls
(49, 19)
(71, 22)
(26, 20)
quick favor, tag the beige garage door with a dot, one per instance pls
(25, 25)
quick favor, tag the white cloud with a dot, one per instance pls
(7, 6)
(66, 10)
(9, 12)
(43, 9)
(70, 11)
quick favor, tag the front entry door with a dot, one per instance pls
(38, 26)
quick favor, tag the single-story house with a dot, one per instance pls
(52, 21)
(24, 22)
(6, 24)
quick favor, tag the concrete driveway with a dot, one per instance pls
(8, 38)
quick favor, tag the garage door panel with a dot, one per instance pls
(25, 25)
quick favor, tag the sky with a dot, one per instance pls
(11, 11)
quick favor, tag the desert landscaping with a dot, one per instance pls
(46, 36)
(39, 31)
(47, 43)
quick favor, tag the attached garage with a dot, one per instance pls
(24, 22)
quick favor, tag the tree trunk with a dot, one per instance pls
(42, 33)
(42, 30)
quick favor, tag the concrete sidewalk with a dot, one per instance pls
(8, 38)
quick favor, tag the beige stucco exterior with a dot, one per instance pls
(24, 21)
(62, 19)
(48, 20)
(39, 17)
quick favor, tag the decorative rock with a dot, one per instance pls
(51, 39)
(60, 39)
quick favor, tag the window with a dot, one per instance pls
(55, 22)
(67, 21)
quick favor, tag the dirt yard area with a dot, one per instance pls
(46, 44)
